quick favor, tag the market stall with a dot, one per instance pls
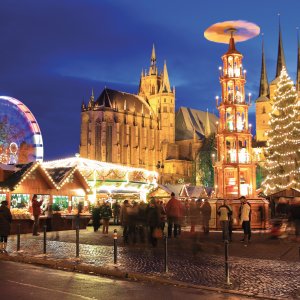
(61, 191)
(109, 181)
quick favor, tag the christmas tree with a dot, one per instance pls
(283, 147)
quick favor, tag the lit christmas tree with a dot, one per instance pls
(283, 151)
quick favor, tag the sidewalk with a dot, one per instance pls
(266, 268)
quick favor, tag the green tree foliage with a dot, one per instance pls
(205, 164)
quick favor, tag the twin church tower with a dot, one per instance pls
(266, 90)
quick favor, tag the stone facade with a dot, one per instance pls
(139, 130)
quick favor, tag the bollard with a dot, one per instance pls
(166, 254)
(115, 247)
(227, 263)
(77, 241)
(18, 237)
(45, 237)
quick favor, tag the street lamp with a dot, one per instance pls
(160, 165)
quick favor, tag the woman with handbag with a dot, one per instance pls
(154, 222)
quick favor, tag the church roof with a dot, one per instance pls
(263, 99)
(123, 101)
(189, 121)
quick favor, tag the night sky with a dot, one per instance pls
(53, 52)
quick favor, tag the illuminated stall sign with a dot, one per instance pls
(60, 203)
(2, 197)
(20, 201)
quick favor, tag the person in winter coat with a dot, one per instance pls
(96, 216)
(5, 221)
(245, 218)
(106, 214)
(116, 212)
(206, 215)
(174, 212)
(153, 220)
(36, 212)
(225, 213)
(124, 219)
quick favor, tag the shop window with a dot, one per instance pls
(60, 204)
(2, 197)
(20, 201)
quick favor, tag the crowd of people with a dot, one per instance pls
(142, 221)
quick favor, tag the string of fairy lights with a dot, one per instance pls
(283, 146)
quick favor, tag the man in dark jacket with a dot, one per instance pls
(36, 211)
(96, 216)
(5, 221)
(206, 215)
(106, 214)
(153, 220)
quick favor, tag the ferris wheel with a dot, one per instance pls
(20, 136)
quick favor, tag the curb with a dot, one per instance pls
(114, 271)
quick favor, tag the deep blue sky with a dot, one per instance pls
(53, 52)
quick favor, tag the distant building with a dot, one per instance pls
(143, 130)
(266, 91)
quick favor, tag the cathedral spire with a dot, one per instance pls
(92, 96)
(298, 63)
(264, 85)
(280, 56)
(165, 86)
(153, 68)
(207, 125)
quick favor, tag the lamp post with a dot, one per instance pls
(160, 166)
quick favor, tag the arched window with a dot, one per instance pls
(263, 110)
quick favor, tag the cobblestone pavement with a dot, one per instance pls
(267, 277)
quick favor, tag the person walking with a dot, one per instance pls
(106, 214)
(193, 215)
(96, 216)
(163, 215)
(174, 212)
(36, 211)
(206, 215)
(124, 219)
(5, 221)
(116, 212)
(225, 213)
(245, 219)
(153, 221)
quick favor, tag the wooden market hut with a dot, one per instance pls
(19, 185)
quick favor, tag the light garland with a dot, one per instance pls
(283, 146)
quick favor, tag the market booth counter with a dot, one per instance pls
(60, 190)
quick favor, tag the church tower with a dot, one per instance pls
(263, 104)
(266, 93)
(280, 63)
(156, 90)
(234, 170)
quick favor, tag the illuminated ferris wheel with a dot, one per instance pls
(20, 136)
